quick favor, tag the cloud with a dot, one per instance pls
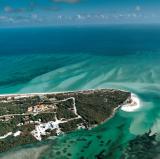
(67, 1)
(138, 8)
(9, 9)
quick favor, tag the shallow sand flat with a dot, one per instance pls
(27, 153)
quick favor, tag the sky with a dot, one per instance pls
(72, 12)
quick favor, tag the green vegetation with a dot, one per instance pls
(23, 114)
(45, 117)
(17, 106)
(64, 112)
(5, 128)
(95, 111)
(11, 142)
(26, 129)
(71, 125)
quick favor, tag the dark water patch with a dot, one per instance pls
(108, 142)
(58, 152)
(82, 139)
(87, 145)
(121, 126)
(99, 136)
(109, 40)
(144, 146)
(64, 150)
(102, 142)
(100, 155)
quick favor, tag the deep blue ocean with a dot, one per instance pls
(75, 58)
(104, 40)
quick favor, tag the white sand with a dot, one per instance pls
(8, 134)
(17, 133)
(133, 106)
(24, 95)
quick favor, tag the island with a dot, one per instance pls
(29, 118)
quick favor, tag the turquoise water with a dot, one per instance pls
(136, 70)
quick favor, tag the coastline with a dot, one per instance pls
(38, 116)
(132, 106)
(127, 106)
(45, 93)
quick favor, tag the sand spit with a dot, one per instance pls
(132, 106)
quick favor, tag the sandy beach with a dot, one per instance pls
(133, 105)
